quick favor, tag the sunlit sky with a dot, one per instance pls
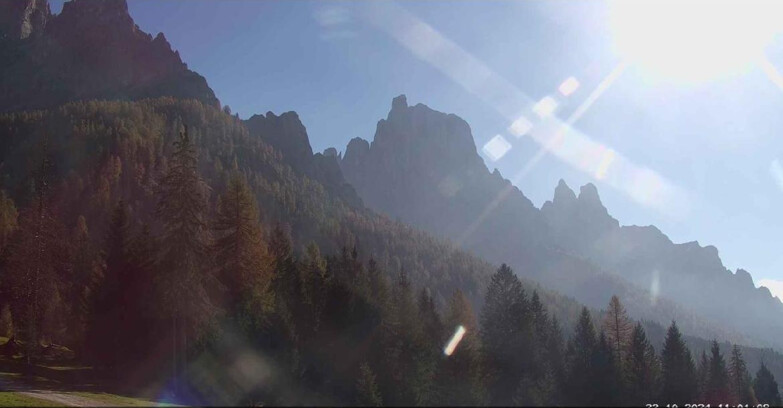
(707, 128)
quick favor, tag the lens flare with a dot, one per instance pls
(454, 342)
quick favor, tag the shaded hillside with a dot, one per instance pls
(423, 168)
(91, 50)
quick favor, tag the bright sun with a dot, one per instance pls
(694, 40)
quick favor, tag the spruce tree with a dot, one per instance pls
(37, 257)
(506, 336)
(766, 388)
(459, 374)
(678, 373)
(185, 279)
(741, 384)
(606, 389)
(718, 390)
(108, 326)
(703, 375)
(642, 369)
(579, 361)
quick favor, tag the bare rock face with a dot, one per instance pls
(20, 19)
(91, 50)
(423, 168)
(288, 136)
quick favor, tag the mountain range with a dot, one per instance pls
(421, 168)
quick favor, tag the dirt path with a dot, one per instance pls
(64, 399)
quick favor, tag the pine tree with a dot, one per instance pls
(718, 390)
(766, 388)
(85, 272)
(459, 375)
(702, 376)
(244, 266)
(741, 384)
(37, 257)
(618, 329)
(606, 389)
(367, 393)
(579, 361)
(108, 326)
(642, 368)
(506, 336)
(184, 274)
(428, 348)
(678, 373)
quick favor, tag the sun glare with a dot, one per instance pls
(693, 40)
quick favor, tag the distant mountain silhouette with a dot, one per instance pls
(91, 50)
(423, 168)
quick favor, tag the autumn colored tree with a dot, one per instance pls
(618, 329)
(244, 264)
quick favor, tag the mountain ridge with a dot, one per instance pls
(438, 189)
(91, 50)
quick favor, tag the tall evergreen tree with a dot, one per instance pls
(506, 336)
(703, 375)
(185, 274)
(678, 373)
(606, 388)
(37, 258)
(766, 388)
(618, 329)
(244, 266)
(579, 361)
(108, 326)
(459, 375)
(718, 389)
(85, 273)
(642, 369)
(741, 384)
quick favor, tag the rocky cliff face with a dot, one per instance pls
(91, 50)
(422, 167)
(20, 19)
(288, 136)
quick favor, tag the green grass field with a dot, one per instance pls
(14, 399)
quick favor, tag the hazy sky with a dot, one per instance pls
(718, 141)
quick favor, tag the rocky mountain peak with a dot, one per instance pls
(400, 102)
(20, 19)
(286, 134)
(563, 194)
(744, 278)
(91, 13)
(588, 195)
